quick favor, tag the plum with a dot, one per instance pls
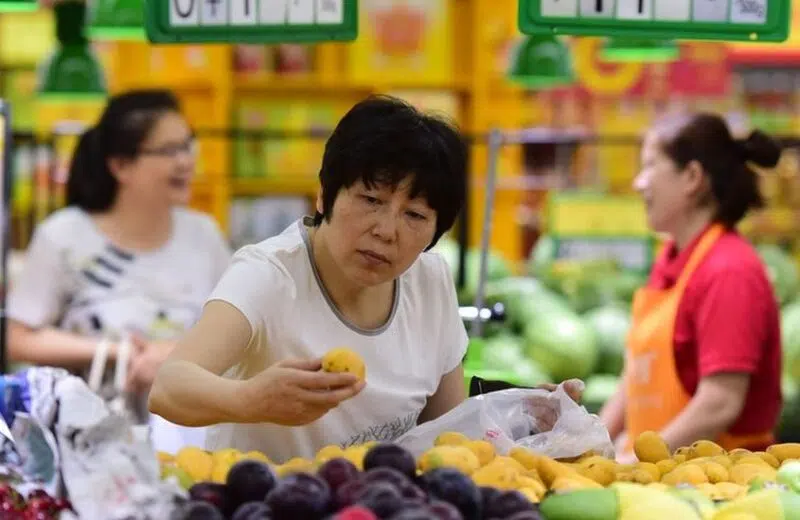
(254, 510)
(348, 494)
(213, 493)
(388, 455)
(450, 485)
(388, 475)
(488, 494)
(336, 472)
(299, 496)
(444, 511)
(414, 513)
(249, 481)
(414, 493)
(382, 498)
(199, 510)
(506, 503)
(355, 513)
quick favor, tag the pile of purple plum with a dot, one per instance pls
(388, 488)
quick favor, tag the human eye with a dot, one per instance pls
(370, 199)
(416, 215)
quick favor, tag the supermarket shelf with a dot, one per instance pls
(285, 186)
(310, 84)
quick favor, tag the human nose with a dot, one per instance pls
(385, 227)
(640, 182)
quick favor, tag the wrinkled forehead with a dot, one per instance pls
(408, 185)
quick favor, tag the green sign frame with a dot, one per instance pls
(251, 21)
(577, 239)
(727, 20)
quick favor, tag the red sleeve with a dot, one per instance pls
(731, 321)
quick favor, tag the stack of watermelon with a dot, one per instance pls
(571, 319)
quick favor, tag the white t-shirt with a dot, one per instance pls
(74, 279)
(275, 285)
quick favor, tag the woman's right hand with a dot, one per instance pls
(295, 392)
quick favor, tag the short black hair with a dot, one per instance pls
(125, 124)
(706, 138)
(384, 140)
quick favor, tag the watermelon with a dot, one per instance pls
(610, 325)
(562, 344)
(599, 389)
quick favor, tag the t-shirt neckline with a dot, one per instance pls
(304, 224)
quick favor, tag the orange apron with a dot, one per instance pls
(654, 392)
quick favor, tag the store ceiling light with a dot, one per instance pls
(622, 50)
(541, 62)
(114, 20)
(72, 71)
(18, 6)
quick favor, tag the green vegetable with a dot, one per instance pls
(584, 504)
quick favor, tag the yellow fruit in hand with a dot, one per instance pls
(196, 462)
(650, 447)
(344, 360)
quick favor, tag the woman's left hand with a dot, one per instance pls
(546, 410)
(573, 387)
(146, 358)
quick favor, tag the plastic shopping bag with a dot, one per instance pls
(109, 468)
(549, 423)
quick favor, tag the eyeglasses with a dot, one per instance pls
(172, 150)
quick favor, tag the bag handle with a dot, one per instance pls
(100, 360)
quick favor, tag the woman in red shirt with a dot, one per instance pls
(704, 353)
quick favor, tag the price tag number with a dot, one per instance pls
(189, 13)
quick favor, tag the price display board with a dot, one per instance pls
(594, 227)
(728, 20)
(251, 21)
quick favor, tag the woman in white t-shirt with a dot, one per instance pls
(124, 257)
(357, 275)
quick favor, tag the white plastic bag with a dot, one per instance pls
(550, 423)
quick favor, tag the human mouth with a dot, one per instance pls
(374, 257)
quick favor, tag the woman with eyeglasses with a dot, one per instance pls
(125, 258)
